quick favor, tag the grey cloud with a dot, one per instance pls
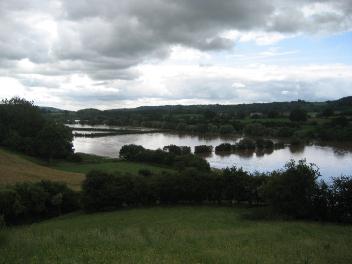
(114, 75)
(106, 39)
(215, 90)
(128, 32)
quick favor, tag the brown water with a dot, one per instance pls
(332, 160)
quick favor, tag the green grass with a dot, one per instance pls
(175, 235)
(16, 167)
(108, 166)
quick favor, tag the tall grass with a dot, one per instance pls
(176, 235)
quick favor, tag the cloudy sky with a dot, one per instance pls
(76, 54)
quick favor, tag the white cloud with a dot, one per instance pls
(126, 53)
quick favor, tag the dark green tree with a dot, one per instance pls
(298, 115)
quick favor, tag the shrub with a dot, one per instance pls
(203, 149)
(256, 130)
(145, 172)
(226, 129)
(245, 143)
(28, 202)
(138, 153)
(129, 152)
(177, 150)
(10, 205)
(96, 191)
(285, 132)
(341, 190)
(298, 115)
(264, 143)
(291, 191)
(223, 147)
(193, 161)
(279, 145)
(295, 141)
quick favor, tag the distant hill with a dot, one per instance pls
(345, 101)
(50, 109)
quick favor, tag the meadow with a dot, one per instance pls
(178, 234)
(15, 167)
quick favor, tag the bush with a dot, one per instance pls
(28, 202)
(285, 132)
(295, 141)
(264, 143)
(279, 145)
(341, 204)
(203, 149)
(145, 172)
(226, 129)
(256, 130)
(140, 154)
(177, 150)
(245, 143)
(103, 191)
(10, 205)
(191, 161)
(298, 115)
(129, 152)
(291, 191)
(223, 147)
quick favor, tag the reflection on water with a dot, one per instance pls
(297, 148)
(332, 160)
(78, 126)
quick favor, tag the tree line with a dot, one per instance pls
(293, 192)
(299, 119)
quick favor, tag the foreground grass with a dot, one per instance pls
(175, 235)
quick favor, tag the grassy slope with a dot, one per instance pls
(14, 168)
(19, 168)
(175, 235)
(108, 166)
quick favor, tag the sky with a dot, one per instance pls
(115, 54)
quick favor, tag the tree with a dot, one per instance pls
(292, 190)
(129, 152)
(298, 115)
(226, 129)
(203, 149)
(54, 141)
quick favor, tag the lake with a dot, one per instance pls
(332, 160)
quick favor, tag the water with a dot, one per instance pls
(78, 126)
(332, 160)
